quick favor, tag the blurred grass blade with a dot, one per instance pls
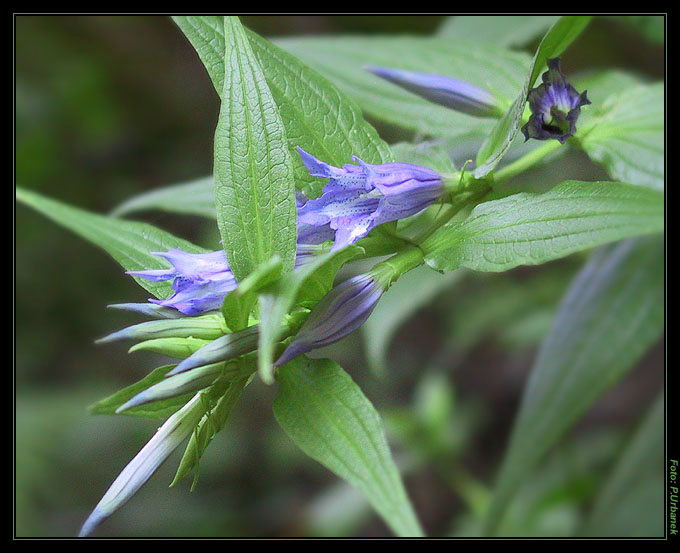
(631, 501)
(129, 243)
(325, 413)
(254, 178)
(531, 229)
(612, 313)
(191, 198)
(563, 32)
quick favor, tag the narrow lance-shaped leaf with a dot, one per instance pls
(556, 40)
(191, 198)
(207, 429)
(254, 186)
(530, 229)
(328, 417)
(158, 410)
(129, 243)
(612, 313)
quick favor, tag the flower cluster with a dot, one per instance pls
(359, 197)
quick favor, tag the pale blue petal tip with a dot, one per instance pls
(139, 399)
(91, 524)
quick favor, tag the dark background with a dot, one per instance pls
(108, 107)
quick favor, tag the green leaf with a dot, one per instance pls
(434, 156)
(129, 243)
(343, 61)
(628, 136)
(213, 421)
(317, 116)
(157, 410)
(612, 313)
(191, 198)
(325, 413)
(631, 501)
(556, 40)
(305, 286)
(254, 186)
(412, 291)
(204, 327)
(512, 31)
(530, 229)
(239, 303)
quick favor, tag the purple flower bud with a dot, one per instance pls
(344, 309)
(555, 106)
(360, 197)
(451, 93)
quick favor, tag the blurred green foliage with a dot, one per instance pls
(108, 107)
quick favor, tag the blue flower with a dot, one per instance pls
(555, 106)
(451, 93)
(344, 309)
(202, 280)
(359, 197)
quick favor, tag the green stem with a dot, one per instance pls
(522, 164)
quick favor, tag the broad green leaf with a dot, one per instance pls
(157, 410)
(212, 422)
(129, 243)
(305, 286)
(343, 61)
(505, 30)
(411, 292)
(631, 502)
(530, 229)
(628, 136)
(325, 413)
(317, 116)
(556, 40)
(192, 198)
(254, 178)
(612, 313)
